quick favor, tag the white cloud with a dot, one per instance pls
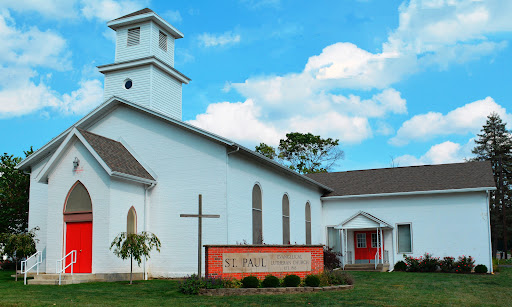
(259, 4)
(32, 47)
(105, 10)
(446, 152)
(61, 9)
(173, 16)
(237, 121)
(214, 40)
(466, 119)
(21, 53)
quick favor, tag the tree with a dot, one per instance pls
(18, 246)
(14, 191)
(135, 246)
(304, 152)
(494, 144)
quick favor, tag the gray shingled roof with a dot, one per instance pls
(140, 12)
(408, 179)
(115, 155)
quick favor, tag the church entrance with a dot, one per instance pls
(79, 238)
(366, 244)
(78, 235)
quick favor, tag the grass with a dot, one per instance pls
(371, 289)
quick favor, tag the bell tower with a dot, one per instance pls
(143, 70)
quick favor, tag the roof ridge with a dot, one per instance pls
(401, 167)
(139, 12)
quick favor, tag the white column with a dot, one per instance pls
(381, 247)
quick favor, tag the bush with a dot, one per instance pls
(331, 259)
(291, 281)
(270, 282)
(194, 283)
(8, 265)
(336, 277)
(447, 265)
(400, 266)
(428, 263)
(464, 264)
(250, 282)
(481, 269)
(191, 285)
(413, 264)
(312, 281)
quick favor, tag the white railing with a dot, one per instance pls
(38, 256)
(386, 256)
(61, 269)
(377, 254)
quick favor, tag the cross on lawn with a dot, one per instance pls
(200, 217)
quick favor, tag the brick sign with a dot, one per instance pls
(238, 261)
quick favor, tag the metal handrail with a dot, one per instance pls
(39, 259)
(377, 258)
(59, 264)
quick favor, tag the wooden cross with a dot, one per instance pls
(200, 216)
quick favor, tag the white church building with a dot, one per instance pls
(133, 164)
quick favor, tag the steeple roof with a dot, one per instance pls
(140, 12)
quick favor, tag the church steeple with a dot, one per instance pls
(143, 71)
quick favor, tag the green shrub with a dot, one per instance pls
(413, 264)
(400, 266)
(464, 264)
(191, 285)
(447, 265)
(481, 269)
(250, 282)
(312, 281)
(337, 277)
(291, 281)
(428, 263)
(331, 259)
(270, 281)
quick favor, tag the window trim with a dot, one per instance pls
(256, 209)
(160, 34)
(283, 216)
(128, 37)
(357, 240)
(308, 226)
(396, 238)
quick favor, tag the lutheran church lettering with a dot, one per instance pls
(133, 164)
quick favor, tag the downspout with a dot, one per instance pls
(227, 191)
(146, 221)
(489, 231)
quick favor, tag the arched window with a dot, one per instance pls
(286, 219)
(78, 205)
(131, 221)
(308, 223)
(78, 199)
(257, 228)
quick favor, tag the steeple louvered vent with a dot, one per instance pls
(162, 41)
(134, 36)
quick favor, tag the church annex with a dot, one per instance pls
(132, 164)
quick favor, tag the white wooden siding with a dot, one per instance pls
(165, 56)
(125, 52)
(165, 93)
(37, 214)
(361, 222)
(140, 76)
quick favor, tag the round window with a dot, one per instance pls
(128, 84)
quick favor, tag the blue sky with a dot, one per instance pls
(408, 81)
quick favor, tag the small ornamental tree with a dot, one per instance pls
(19, 246)
(135, 246)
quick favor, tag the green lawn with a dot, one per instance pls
(374, 289)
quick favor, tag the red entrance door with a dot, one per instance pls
(365, 245)
(79, 238)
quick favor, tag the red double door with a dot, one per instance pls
(79, 238)
(366, 244)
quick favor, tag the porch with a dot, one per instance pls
(364, 242)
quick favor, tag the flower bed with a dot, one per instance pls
(326, 281)
(428, 263)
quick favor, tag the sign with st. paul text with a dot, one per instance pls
(266, 262)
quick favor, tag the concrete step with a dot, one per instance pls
(368, 267)
(77, 278)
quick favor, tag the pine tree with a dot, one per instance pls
(495, 145)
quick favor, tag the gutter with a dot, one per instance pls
(326, 198)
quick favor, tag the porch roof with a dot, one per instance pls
(363, 220)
